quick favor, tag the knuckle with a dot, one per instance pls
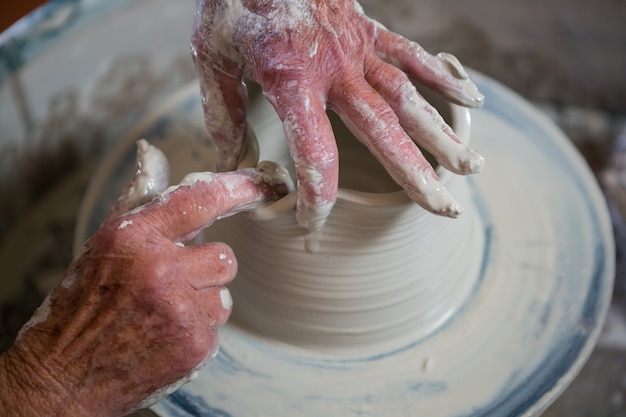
(180, 312)
(199, 345)
(384, 122)
(159, 273)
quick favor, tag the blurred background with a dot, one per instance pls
(568, 57)
(12, 11)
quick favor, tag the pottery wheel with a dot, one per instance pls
(544, 290)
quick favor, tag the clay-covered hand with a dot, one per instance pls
(310, 56)
(137, 311)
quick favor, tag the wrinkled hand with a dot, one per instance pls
(312, 55)
(137, 311)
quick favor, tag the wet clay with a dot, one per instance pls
(384, 270)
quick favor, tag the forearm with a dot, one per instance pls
(10, 394)
(23, 394)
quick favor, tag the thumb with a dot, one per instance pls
(152, 177)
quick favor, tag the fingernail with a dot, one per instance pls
(475, 161)
(453, 211)
(453, 65)
(443, 204)
(468, 95)
(475, 97)
(226, 298)
(435, 198)
(465, 161)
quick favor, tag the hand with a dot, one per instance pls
(137, 311)
(313, 55)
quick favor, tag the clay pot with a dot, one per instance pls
(385, 270)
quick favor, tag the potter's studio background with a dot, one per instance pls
(566, 56)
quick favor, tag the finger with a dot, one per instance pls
(443, 73)
(182, 211)
(208, 265)
(371, 120)
(214, 306)
(213, 343)
(152, 177)
(224, 99)
(313, 150)
(422, 121)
